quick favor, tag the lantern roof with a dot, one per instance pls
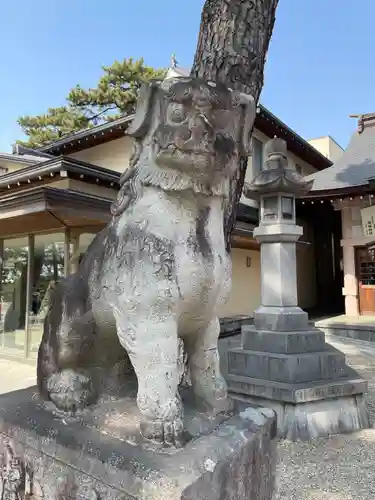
(276, 175)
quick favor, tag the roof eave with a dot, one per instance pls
(57, 165)
(346, 191)
(80, 140)
(17, 159)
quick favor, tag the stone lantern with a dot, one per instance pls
(284, 362)
(276, 188)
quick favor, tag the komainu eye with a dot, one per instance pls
(176, 113)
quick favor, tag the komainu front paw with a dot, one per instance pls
(170, 433)
(71, 391)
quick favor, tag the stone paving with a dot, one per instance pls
(339, 467)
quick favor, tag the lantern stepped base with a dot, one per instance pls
(302, 378)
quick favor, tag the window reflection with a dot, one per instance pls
(18, 312)
(48, 269)
(78, 246)
(13, 295)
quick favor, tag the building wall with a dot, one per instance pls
(335, 151)
(245, 295)
(10, 166)
(113, 155)
(321, 144)
(92, 189)
(328, 147)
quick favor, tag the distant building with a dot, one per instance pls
(328, 147)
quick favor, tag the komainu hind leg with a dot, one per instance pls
(65, 352)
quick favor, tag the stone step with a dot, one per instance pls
(282, 342)
(291, 368)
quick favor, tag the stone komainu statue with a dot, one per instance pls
(159, 271)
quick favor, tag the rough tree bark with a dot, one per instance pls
(232, 47)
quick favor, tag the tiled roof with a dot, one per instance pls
(355, 167)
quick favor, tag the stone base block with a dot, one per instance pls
(248, 387)
(315, 419)
(282, 342)
(281, 319)
(288, 368)
(99, 454)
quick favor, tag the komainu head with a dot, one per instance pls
(189, 135)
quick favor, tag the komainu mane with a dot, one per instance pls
(159, 271)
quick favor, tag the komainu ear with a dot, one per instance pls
(141, 121)
(248, 117)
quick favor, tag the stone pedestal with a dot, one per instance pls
(100, 453)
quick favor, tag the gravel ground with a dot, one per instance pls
(339, 467)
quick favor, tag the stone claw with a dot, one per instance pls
(169, 433)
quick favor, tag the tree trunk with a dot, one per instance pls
(232, 46)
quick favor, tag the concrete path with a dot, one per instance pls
(16, 375)
(340, 467)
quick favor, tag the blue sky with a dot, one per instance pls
(320, 65)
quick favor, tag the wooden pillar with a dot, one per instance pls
(350, 290)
